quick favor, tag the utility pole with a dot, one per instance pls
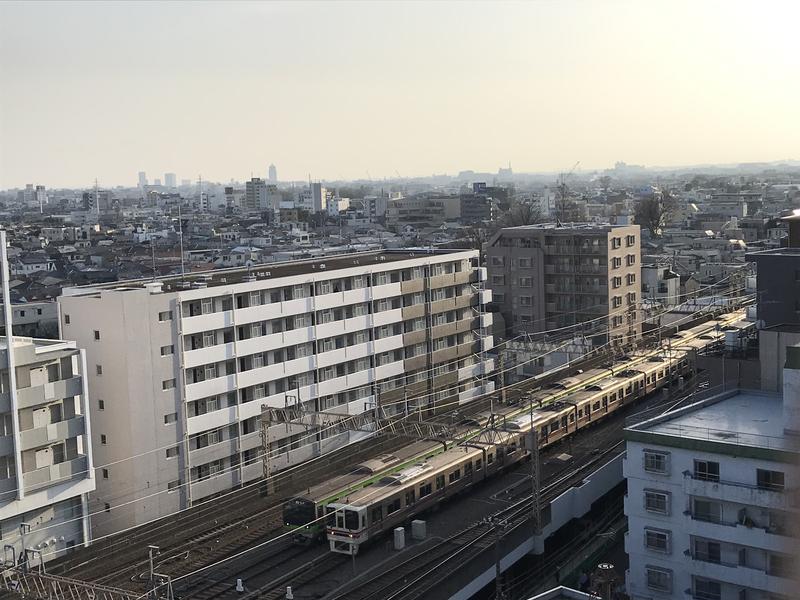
(503, 391)
(535, 479)
(152, 551)
(265, 458)
(499, 592)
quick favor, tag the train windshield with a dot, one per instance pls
(351, 520)
(298, 511)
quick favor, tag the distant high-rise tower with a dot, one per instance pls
(142, 179)
(170, 180)
(273, 174)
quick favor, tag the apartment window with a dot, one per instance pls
(656, 462)
(105, 473)
(706, 470)
(107, 507)
(525, 282)
(165, 316)
(616, 242)
(498, 280)
(656, 502)
(66, 319)
(706, 510)
(101, 405)
(170, 418)
(167, 350)
(630, 260)
(707, 551)
(96, 335)
(98, 369)
(659, 579)
(706, 589)
(631, 298)
(209, 338)
(616, 282)
(631, 278)
(207, 305)
(498, 298)
(525, 301)
(497, 261)
(657, 540)
(173, 452)
(616, 262)
(616, 301)
(103, 439)
(168, 384)
(630, 240)
(770, 480)
(173, 485)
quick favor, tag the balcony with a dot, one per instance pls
(388, 343)
(330, 329)
(223, 449)
(410, 312)
(55, 432)
(485, 296)
(299, 335)
(386, 317)
(416, 362)
(741, 575)
(55, 474)
(389, 370)
(215, 483)
(210, 420)
(736, 533)
(412, 286)
(210, 387)
(260, 312)
(388, 290)
(740, 493)
(415, 337)
(41, 394)
(208, 322)
(261, 374)
(209, 355)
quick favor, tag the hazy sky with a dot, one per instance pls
(339, 90)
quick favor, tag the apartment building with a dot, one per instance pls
(418, 212)
(712, 504)
(45, 448)
(586, 277)
(179, 368)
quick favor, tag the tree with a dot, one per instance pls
(521, 213)
(654, 213)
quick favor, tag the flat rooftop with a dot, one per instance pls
(741, 418)
(272, 270)
(783, 252)
(565, 227)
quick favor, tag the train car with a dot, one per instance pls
(303, 514)
(399, 495)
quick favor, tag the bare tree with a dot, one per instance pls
(521, 213)
(654, 213)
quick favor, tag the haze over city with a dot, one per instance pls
(371, 90)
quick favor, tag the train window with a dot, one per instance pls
(580, 413)
(572, 417)
(351, 520)
(619, 394)
(330, 517)
(553, 427)
(512, 448)
(468, 468)
(410, 497)
(627, 390)
(479, 464)
(439, 482)
(596, 406)
(563, 421)
(393, 506)
(605, 400)
(424, 490)
(455, 476)
(377, 514)
(490, 459)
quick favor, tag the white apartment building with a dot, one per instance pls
(179, 368)
(713, 507)
(45, 450)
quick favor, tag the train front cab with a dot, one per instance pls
(346, 527)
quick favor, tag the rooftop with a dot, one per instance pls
(783, 252)
(273, 270)
(741, 418)
(566, 227)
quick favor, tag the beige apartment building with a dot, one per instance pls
(180, 367)
(576, 278)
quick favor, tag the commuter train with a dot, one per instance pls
(381, 494)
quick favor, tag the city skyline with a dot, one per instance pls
(358, 91)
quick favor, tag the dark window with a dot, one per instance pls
(706, 470)
(439, 482)
(377, 514)
(393, 506)
(455, 476)
(410, 498)
(770, 480)
(351, 520)
(425, 490)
